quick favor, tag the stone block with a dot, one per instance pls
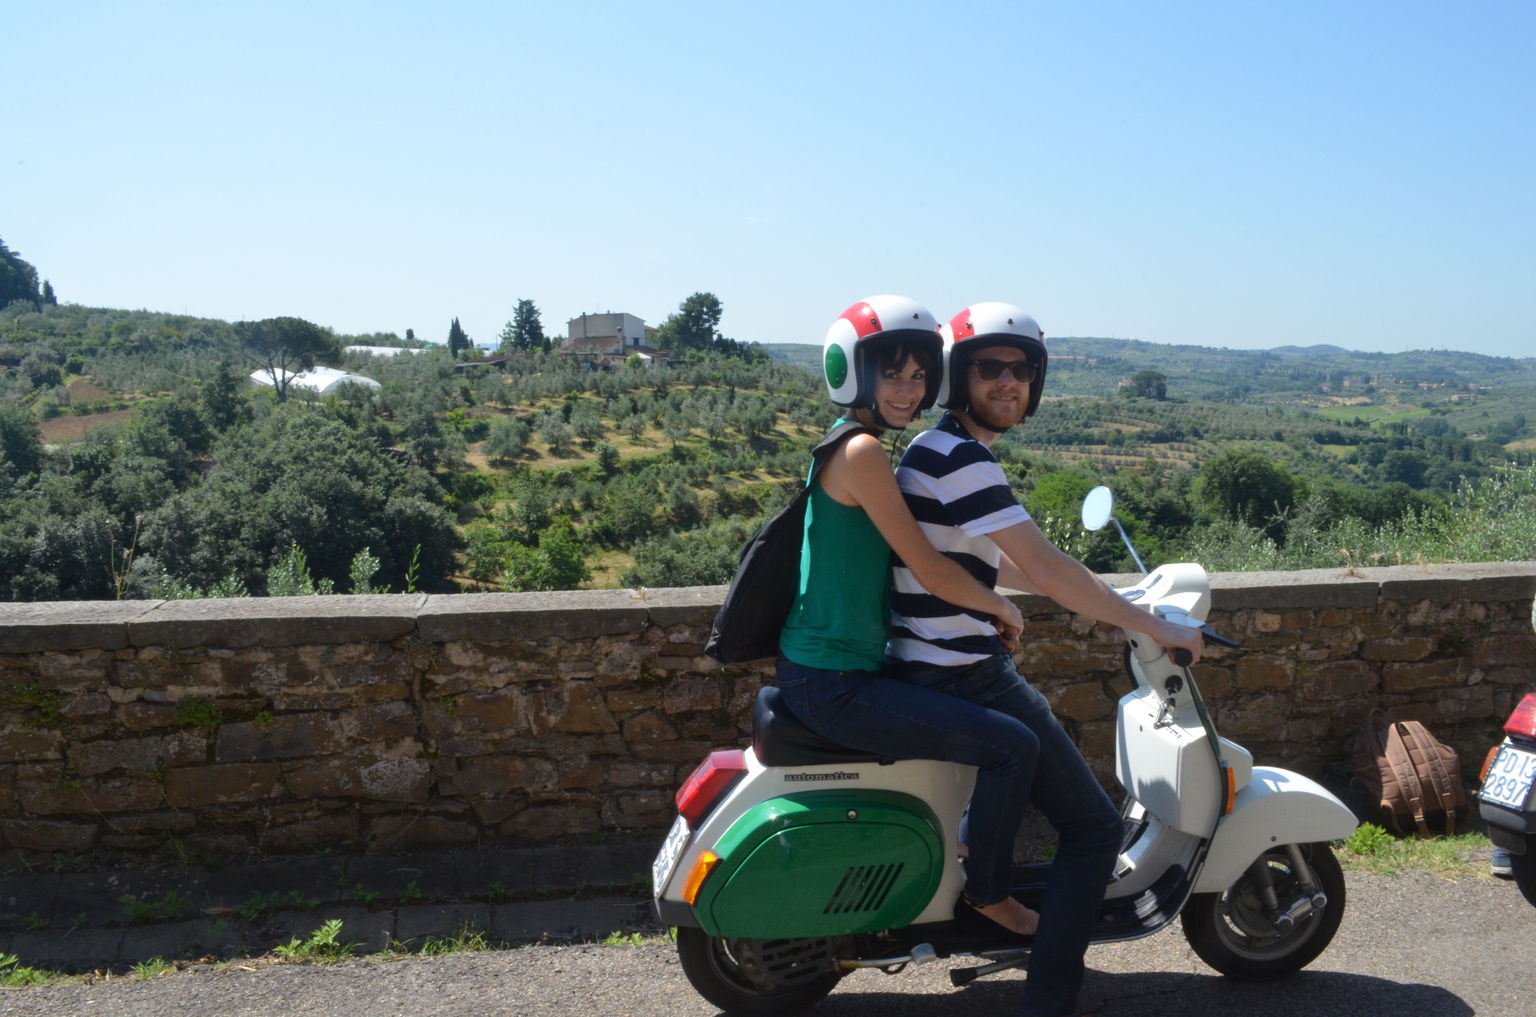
(68, 625)
(419, 831)
(1264, 671)
(1508, 649)
(546, 822)
(397, 779)
(105, 755)
(650, 726)
(535, 618)
(1399, 678)
(276, 621)
(1342, 679)
(1399, 648)
(574, 708)
(61, 835)
(637, 810)
(1278, 591)
(25, 746)
(195, 786)
(1082, 701)
(492, 776)
(323, 833)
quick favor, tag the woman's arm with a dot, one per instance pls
(859, 474)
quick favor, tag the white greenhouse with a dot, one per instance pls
(319, 380)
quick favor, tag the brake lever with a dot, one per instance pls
(1213, 636)
(1183, 658)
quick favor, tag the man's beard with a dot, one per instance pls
(997, 425)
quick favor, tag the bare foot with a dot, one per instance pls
(1013, 916)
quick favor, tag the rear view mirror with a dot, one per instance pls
(1098, 507)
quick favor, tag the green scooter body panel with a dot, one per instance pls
(823, 863)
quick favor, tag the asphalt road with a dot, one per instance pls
(1411, 945)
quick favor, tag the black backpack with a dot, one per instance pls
(768, 574)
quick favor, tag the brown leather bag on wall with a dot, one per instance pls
(1413, 779)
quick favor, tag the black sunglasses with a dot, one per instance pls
(1022, 371)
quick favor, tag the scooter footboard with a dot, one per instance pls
(1276, 807)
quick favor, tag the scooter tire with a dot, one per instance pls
(1232, 934)
(1524, 869)
(715, 967)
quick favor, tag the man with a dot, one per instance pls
(994, 375)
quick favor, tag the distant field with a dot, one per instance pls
(64, 430)
(1375, 413)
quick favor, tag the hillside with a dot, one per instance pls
(134, 464)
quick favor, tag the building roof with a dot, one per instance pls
(382, 351)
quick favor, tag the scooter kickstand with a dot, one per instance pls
(965, 976)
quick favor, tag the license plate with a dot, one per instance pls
(666, 858)
(1509, 778)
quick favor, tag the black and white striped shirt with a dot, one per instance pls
(958, 493)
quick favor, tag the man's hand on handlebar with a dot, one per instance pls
(1183, 641)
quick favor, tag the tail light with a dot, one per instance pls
(1522, 722)
(709, 783)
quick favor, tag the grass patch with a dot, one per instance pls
(624, 939)
(1372, 849)
(467, 940)
(152, 968)
(14, 973)
(323, 946)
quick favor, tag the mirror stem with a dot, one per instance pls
(1128, 545)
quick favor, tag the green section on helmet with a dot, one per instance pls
(836, 366)
(823, 863)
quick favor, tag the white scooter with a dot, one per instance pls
(796, 861)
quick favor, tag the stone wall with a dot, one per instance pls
(216, 730)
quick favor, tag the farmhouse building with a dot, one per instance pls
(604, 342)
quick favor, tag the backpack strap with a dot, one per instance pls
(1438, 776)
(830, 442)
(1407, 777)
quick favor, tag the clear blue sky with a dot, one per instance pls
(1222, 174)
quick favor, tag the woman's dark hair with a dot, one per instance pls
(894, 356)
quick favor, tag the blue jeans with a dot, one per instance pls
(988, 716)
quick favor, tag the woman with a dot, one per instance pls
(882, 359)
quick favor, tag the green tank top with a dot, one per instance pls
(841, 612)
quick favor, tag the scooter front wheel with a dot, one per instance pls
(1235, 932)
(757, 977)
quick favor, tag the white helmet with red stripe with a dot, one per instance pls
(847, 355)
(989, 323)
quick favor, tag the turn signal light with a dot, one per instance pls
(707, 784)
(1482, 775)
(1229, 782)
(696, 875)
(1523, 721)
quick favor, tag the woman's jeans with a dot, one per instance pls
(987, 716)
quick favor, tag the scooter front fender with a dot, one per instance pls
(1277, 807)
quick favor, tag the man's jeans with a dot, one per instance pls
(986, 715)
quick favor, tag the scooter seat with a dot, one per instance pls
(780, 739)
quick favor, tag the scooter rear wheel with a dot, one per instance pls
(1233, 933)
(1524, 869)
(757, 977)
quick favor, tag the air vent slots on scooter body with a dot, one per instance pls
(863, 888)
